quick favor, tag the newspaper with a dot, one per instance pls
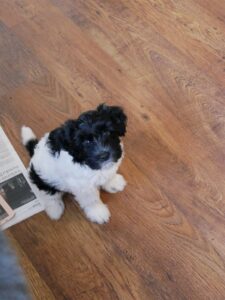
(15, 186)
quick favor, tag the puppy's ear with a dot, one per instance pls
(115, 116)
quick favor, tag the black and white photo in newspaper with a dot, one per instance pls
(15, 187)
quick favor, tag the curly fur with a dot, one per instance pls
(80, 157)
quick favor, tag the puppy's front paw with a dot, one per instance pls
(116, 184)
(55, 210)
(98, 213)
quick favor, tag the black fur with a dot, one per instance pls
(30, 146)
(41, 184)
(93, 138)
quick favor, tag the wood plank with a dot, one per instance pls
(165, 239)
(37, 286)
(16, 61)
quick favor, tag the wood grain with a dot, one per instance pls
(164, 61)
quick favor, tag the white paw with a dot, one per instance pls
(55, 209)
(98, 213)
(117, 184)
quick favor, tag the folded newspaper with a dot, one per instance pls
(15, 187)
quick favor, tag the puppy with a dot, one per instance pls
(80, 157)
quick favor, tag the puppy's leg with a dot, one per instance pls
(93, 207)
(53, 205)
(116, 184)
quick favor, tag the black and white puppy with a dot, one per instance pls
(80, 157)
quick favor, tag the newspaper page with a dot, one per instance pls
(15, 187)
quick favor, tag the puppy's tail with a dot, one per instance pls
(29, 139)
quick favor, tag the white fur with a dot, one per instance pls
(116, 184)
(53, 205)
(80, 180)
(27, 134)
(97, 212)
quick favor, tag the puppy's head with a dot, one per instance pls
(96, 138)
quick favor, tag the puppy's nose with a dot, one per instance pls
(104, 155)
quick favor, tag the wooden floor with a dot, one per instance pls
(164, 61)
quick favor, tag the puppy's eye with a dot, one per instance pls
(88, 140)
(106, 134)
